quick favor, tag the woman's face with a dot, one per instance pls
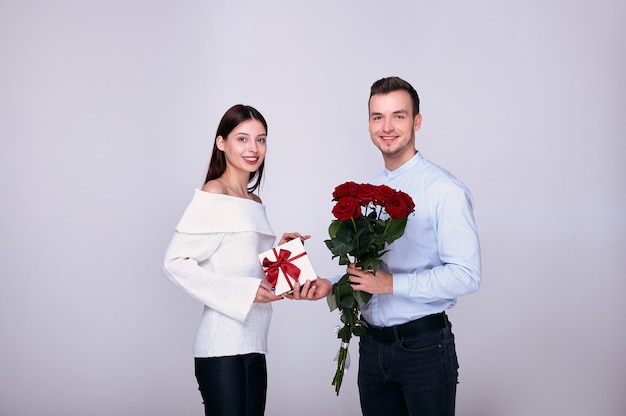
(245, 146)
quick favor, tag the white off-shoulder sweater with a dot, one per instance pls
(213, 257)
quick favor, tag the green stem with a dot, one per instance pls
(388, 223)
(358, 250)
(341, 368)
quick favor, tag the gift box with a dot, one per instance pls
(287, 264)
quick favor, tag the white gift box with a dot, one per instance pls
(287, 264)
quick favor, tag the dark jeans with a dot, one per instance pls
(413, 375)
(232, 386)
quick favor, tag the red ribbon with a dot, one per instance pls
(283, 262)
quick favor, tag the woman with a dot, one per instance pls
(213, 257)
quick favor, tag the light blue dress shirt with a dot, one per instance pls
(438, 257)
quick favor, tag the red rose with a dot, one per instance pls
(345, 189)
(365, 193)
(383, 193)
(400, 205)
(347, 207)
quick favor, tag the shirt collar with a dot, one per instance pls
(404, 168)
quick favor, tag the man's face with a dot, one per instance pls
(392, 126)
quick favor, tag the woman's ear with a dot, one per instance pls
(219, 142)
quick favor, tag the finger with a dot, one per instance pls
(270, 297)
(296, 291)
(355, 276)
(312, 294)
(291, 236)
(286, 237)
(307, 290)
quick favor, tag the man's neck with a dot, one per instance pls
(393, 162)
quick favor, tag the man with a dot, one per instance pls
(407, 360)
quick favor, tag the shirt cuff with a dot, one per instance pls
(401, 284)
(334, 279)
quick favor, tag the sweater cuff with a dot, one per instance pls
(248, 291)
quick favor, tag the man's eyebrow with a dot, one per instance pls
(374, 113)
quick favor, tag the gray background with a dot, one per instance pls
(107, 112)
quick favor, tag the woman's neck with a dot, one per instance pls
(235, 185)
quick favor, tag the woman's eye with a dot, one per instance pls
(261, 140)
(242, 139)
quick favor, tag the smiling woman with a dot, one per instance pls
(213, 257)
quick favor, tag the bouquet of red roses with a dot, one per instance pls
(368, 218)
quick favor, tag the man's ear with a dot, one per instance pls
(417, 122)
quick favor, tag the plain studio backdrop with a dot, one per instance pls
(107, 115)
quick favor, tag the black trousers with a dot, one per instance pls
(409, 370)
(234, 385)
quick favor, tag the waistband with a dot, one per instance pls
(416, 327)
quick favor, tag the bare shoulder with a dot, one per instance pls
(214, 187)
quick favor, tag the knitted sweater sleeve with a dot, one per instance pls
(208, 221)
(182, 265)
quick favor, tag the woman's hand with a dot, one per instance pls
(265, 294)
(292, 236)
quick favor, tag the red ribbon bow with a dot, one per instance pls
(283, 262)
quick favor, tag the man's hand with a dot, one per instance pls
(315, 290)
(377, 284)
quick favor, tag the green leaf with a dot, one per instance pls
(344, 285)
(347, 301)
(339, 246)
(395, 229)
(359, 331)
(361, 322)
(344, 333)
(349, 316)
(371, 263)
(362, 297)
(332, 301)
(343, 280)
(336, 294)
(345, 233)
(334, 227)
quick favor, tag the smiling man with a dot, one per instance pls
(408, 363)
